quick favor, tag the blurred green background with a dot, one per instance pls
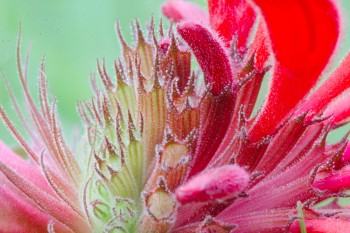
(72, 34)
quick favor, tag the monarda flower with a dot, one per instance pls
(172, 149)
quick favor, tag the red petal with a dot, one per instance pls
(210, 55)
(303, 35)
(346, 154)
(230, 18)
(260, 48)
(322, 226)
(336, 84)
(178, 10)
(218, 183)
(215, 64)
(215, 120)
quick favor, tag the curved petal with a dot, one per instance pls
(212, 58)
(231, 18)
(303, 35)
(335, 85)
(210, 55)
(178, 10)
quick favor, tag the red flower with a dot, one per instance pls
(167, 149)
(284, 144)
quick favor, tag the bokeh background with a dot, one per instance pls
(72, 34)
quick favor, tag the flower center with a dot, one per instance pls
(141, 131)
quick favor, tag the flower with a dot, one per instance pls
(167, 149)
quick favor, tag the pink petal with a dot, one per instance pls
(29, 171)
(58, 210)
(322, 226)
(339, 109)
(335, 182)
(178, 10)
(231, 18)
(218, 183)
(271, 220)
(18, 214)
(210, 55)
(303, 35)
(346, 154)
(281, 189)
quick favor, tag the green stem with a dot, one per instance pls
(301, 218)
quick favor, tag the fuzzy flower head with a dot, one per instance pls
(169, 148)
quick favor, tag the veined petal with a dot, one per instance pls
(303, 35)
(178, 10)
(27, 170)
(231, 18)
(210, 55)
(273, 220)
(322, 226)
(17, 214)
(48, 203)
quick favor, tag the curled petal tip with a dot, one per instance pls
(210, 54)
(178, 10)
(218, 183)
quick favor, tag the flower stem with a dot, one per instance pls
(301, 218)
